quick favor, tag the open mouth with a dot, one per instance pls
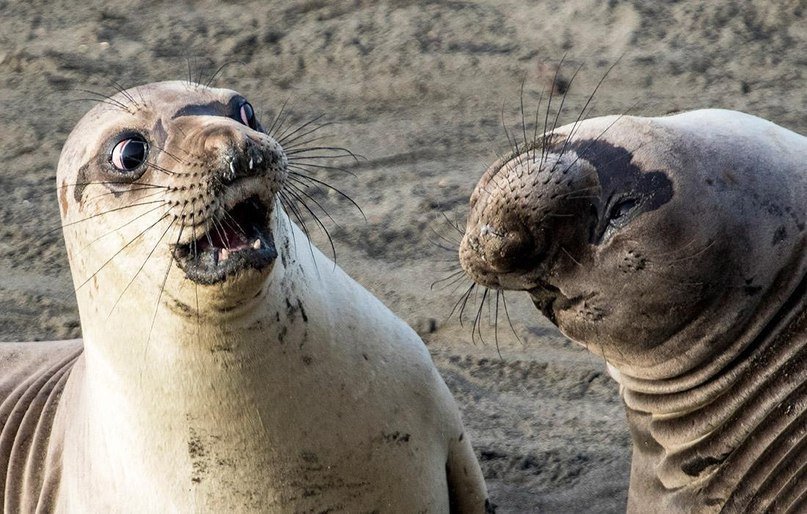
(238, 240)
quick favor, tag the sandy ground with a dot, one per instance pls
(419, 89)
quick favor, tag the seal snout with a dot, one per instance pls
(238, 152)
(488, 252)
(245, 169)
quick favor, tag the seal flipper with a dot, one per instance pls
(32, 377)
(466, 486)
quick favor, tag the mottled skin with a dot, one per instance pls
(285, 387)
(674, 247)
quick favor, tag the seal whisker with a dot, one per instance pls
(277, 127)
(138, 236)
(513, 143)
(303, 191)
(563, 98)
(161, 169)
(215, 74)
(130, 190)
(692, 256)
(509, 320)
(85, 247)
(103, 214)
(159, 296)
(83, 184)
(299, 217)
(102, 98)
(535, 126)
(127, 94)
(658, 256)
(345, 152)
(576, 123)
(570, 256)
(460, 303)
(270, 130)
(290, 135)
(151, 195)
(521, 106)
(304, 158)
(299, 176)
(454, 243)
(544, 137)
(148, 256)
(169, 154)
(322, 226)
(221, 231)
(476, 327)
(453, 278)
(303, 144)
(496, 325)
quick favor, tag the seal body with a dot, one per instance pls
(226, 364)
(673, 247)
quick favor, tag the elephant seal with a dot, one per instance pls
(674, 247)
(226, 364)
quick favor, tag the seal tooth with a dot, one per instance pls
(257, 244)
(250, 163)
(224, 254)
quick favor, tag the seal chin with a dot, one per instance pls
(242, 242)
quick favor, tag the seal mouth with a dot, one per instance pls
(549, 300)
(239, 240)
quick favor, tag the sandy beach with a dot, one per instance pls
(426, 93)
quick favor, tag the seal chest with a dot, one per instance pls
(674, 248)
(226, 363)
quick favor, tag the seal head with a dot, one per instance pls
(196, 183)
(675, 248)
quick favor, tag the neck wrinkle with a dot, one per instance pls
(730, 427)
(718, 361)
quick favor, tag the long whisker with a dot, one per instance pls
(119, 228)
(138, 236)
(159, 297)
(159, 241)
(509, 320)
(316, 219)
(460, 304)
(457, 275)
(325, 184)
(477, 325)
(103, 214)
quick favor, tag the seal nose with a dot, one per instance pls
(487, 251)
(240, 154)
(241, 163)
(505, 250)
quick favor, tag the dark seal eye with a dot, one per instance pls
(247, 114)
(128, 154)
(620, 211)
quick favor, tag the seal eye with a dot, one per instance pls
(129, 153)
(620, 211)
(247, 114)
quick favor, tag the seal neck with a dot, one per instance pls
(217, 391)
(716, 427)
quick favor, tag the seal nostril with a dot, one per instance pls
(505, 250)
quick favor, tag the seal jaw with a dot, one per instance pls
(241, 240)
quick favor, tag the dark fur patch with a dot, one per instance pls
(620, 178)
(82, 179)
